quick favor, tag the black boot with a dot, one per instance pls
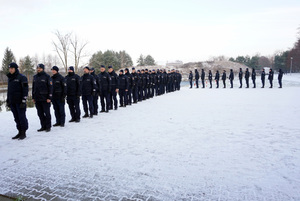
(17, 136)
(23, 135)
(72, 120)
(41, 129)
(57, 124)
(85, 116)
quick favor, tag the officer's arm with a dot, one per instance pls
(33, 88)
(78, 83)
(64, 87)
(117, 82)
(24, 87)
(127, 83)
(50, 88)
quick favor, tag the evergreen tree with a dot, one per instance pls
(7, 59)
(149, 61)
(141, 61)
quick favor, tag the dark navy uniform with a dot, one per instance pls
(96, 96)
(241, 78)
(247, 75)
(114, 86)
(263, 75)
(105, 81)
(217, 78)
(129, 97)
(157, 84)
(88, 87)
(58, 99)
(17, 92)
(231, 78)
(253, 77)
(140, 86)
(270, 78)
(197, 78)
(280, 75)
(224, 78)
(42, 89)
(191, 79)
(210, 78)
(135, 80)
(73, 95)
(203, 78)
(123, 88)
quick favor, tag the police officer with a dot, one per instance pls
(191, 79)
(153, 83)
(17, 92)
(263, 74)
(158, 82)
(231, 78)
(270, 77)
(95, 97)
(247, 75)
(140, 85)
(88, 87)
(41, 95)
(59, 95)
(165, 81)
(203, 78)
(217, 78)
(224, 78)
(280, 75)
(253, 77)
(144, 84)
(73, 94)
(113, 88)
(241, 77)
(210, 78)
(130, 83)
(134, 85)
(197, 78)
(147, 84)
(105, 81)
(123, 88)
(179, 79)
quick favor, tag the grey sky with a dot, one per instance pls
(187, 30)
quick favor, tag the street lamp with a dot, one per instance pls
(291, 65)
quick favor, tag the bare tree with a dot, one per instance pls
(62, 47)
(77, 48)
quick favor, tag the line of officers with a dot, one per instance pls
(132, 88)
(231, 78)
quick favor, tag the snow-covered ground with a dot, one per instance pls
(195, 144)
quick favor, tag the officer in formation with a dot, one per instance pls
(113, 88)
(105, 88)
(135, 88)
(59, 96)
(17, 93)
(95, 96)
(42, 90)
(231, 78)
(123, 88)
(197, 78)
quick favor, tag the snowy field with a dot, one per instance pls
(195, 144)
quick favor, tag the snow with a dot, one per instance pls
(195, 144)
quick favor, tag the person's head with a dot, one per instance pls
(110, 69)
(230, 70)
(246, 69)
(195, 70)
(146, 70)
(86, 70)
(13, 68)
(121, 72)
(240, 69)
(126, 70)
(71, 69)
(142, 71)
(40, 68)
(102, 68)
(224, 71)
(133, 70)
(54, 70)
(92, 70)
(139, 72)
(270, 70)
(263, 69)
(209, 71)
(253, 69)
(217, 71)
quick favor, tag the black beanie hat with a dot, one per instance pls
(71, 68)
(55, 68)
(41, 66)
(13, 65)
(133, 68)
(86, 68)
(121, 71)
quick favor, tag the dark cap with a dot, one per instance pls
(109, 67)
(13, 65)
(92, 68)
(121, 71)
(71, 68)
(127, 69)
(55, 68)
(133, 68)
(102, 66)
(41, 66)
(86, 68)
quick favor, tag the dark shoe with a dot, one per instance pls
(72, 120)
(91, 116)
(23, 135)
(41, 129)
(77, 120)
(106, 111)
(121, 106)
(116, 108)
(57, 124)
(17, 136)
(62, 125)
(48, 130)
(85, 116)
(102, 111)
(96, 114)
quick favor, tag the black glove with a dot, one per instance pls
(7, 103)
(94, 93)
(23, 104)
(63, 99)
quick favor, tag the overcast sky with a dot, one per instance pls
(187, 30)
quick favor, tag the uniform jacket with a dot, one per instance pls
(42, 87)
(73, 84)
(59, 86)
(17, 89)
